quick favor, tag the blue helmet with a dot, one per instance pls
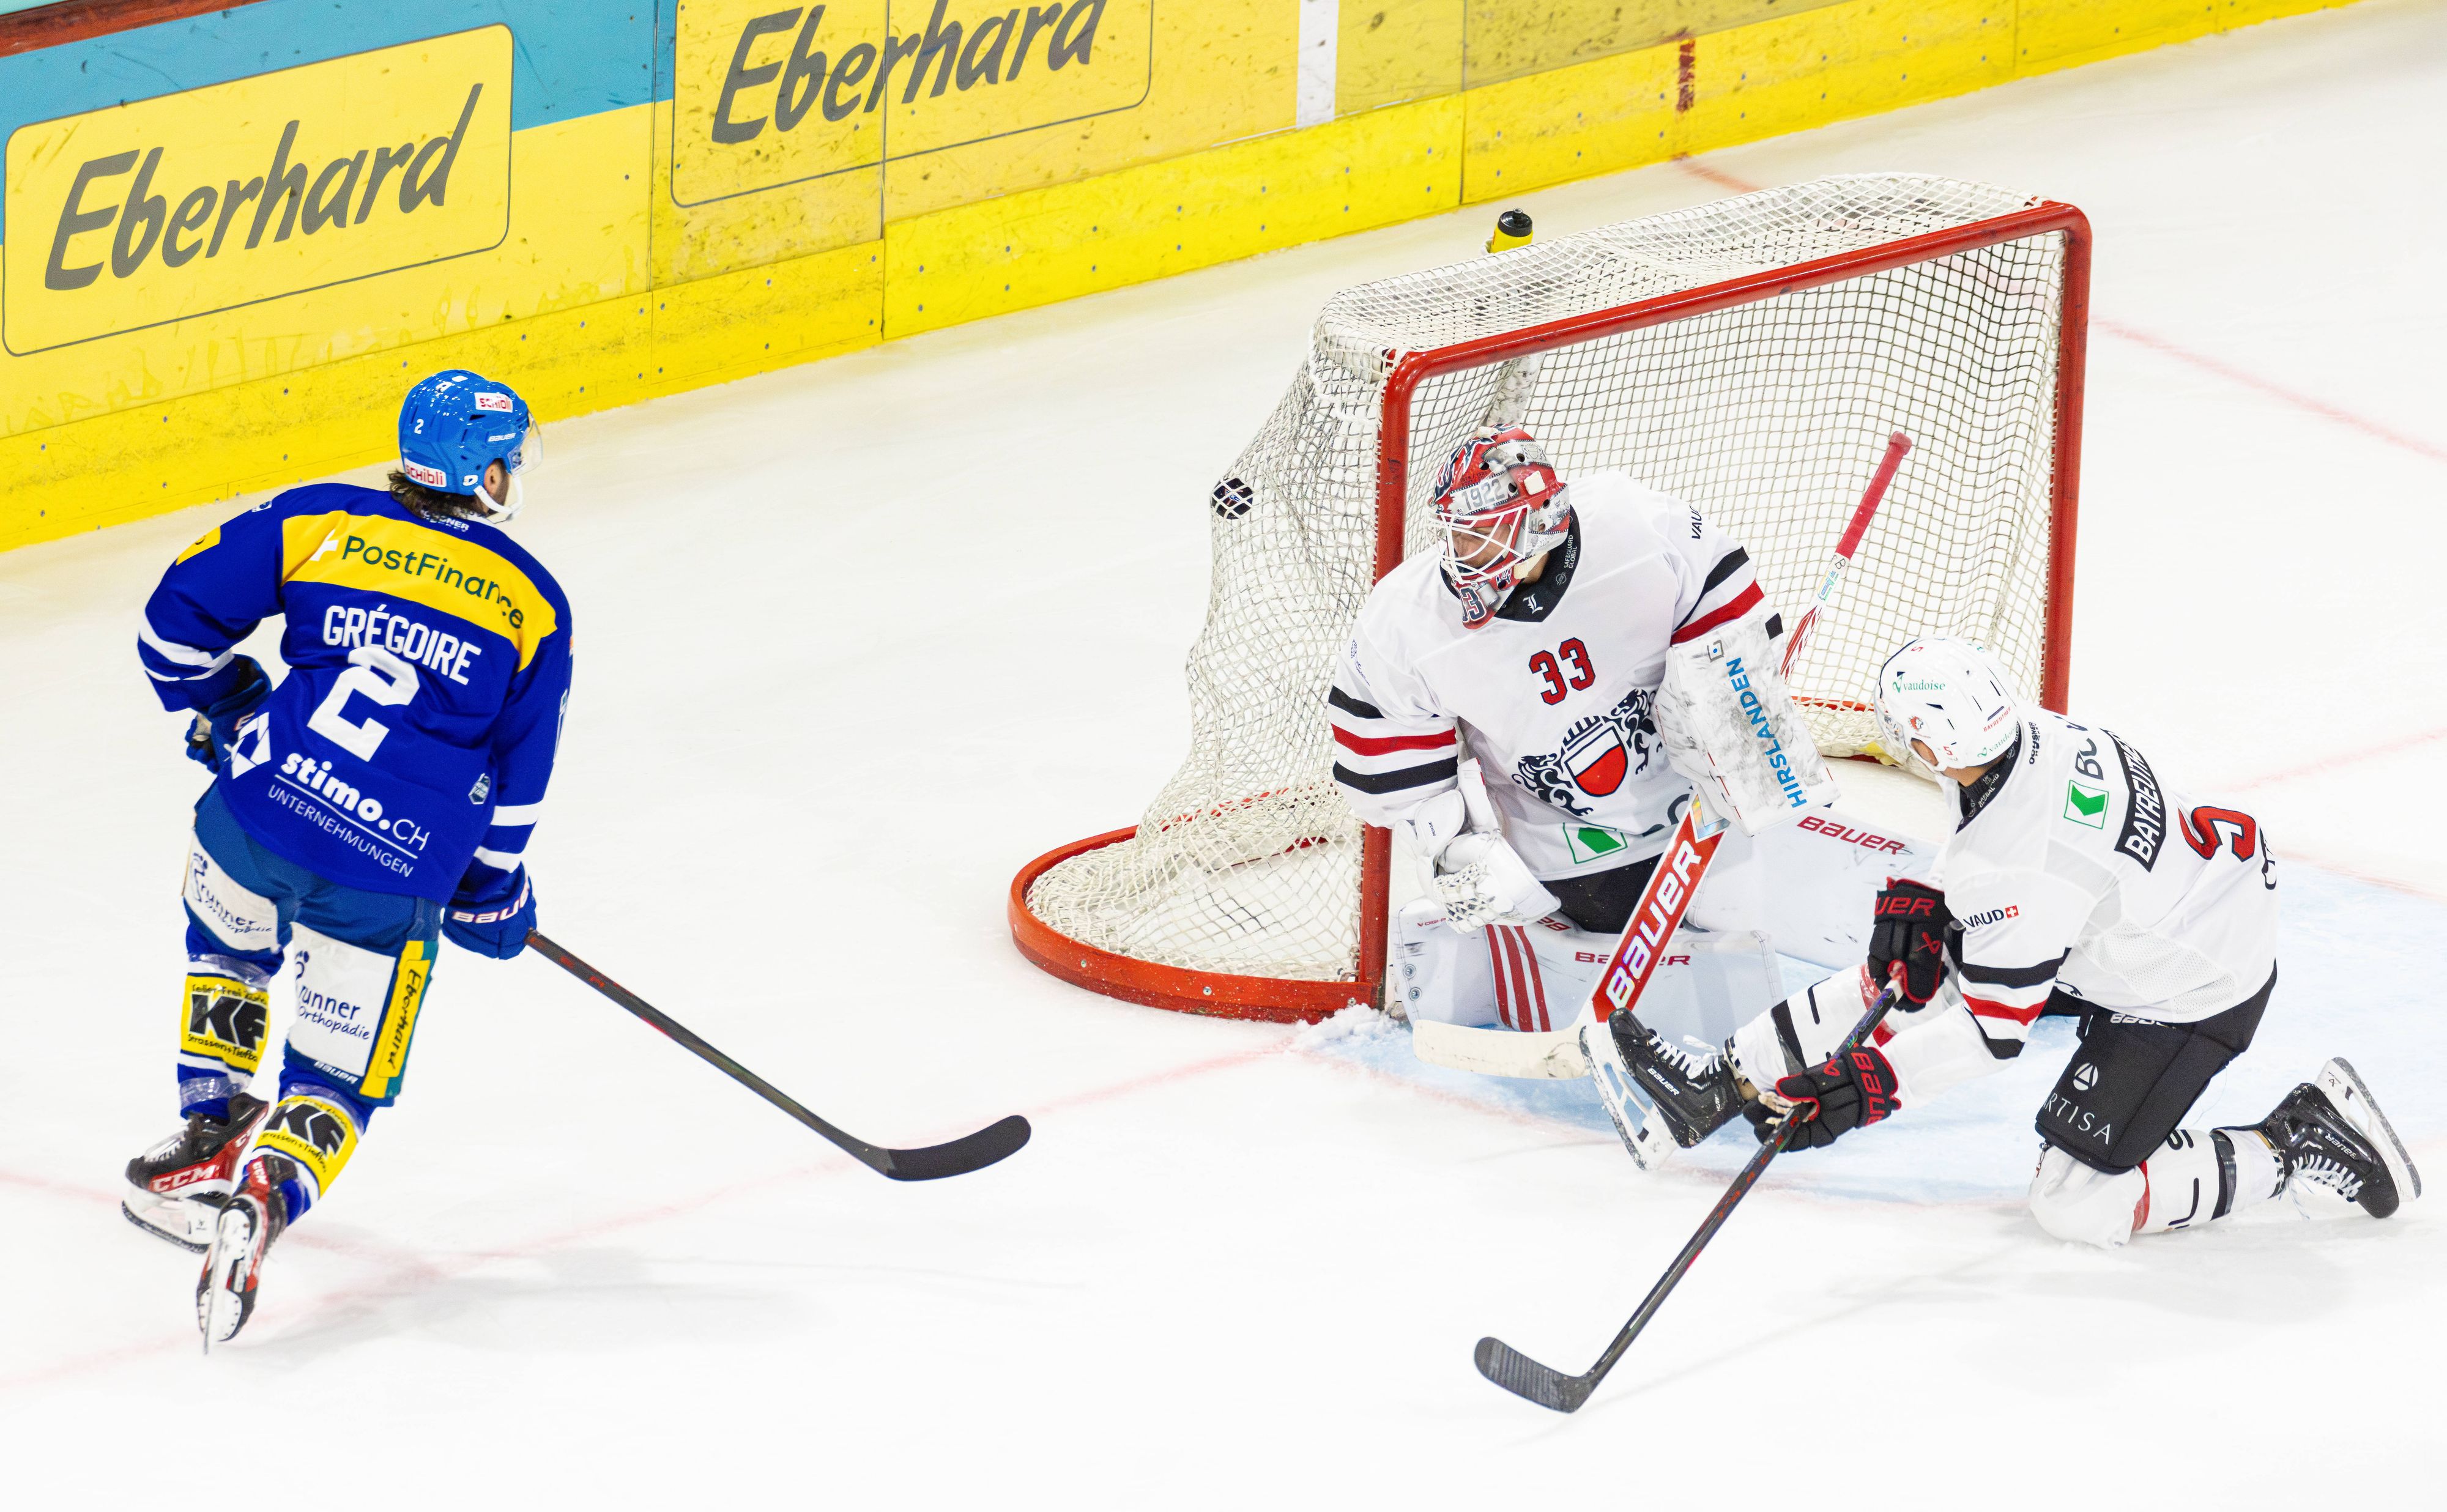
(456, 423)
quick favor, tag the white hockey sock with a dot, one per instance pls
(1800, 1032)
(2198, 1176)
(2259, 1172)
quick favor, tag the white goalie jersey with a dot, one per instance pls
(1555, 694)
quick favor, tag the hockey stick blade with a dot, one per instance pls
(1530, 1381)
(971, 1152)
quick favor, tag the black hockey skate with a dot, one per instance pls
(250, 1220)
(175, 1189)
(1692, 1095)
(2333, 1135)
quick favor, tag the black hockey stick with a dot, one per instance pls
(961, 1156)
(1525, 1377)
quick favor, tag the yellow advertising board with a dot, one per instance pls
(765, 99)
(194, 203)
(795, 130)
(218, 276)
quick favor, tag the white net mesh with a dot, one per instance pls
(1770, 416)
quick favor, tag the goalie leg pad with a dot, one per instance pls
(1516, 976)
(1442, 974)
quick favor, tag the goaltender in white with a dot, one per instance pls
(2075, 881)
(1541, 640)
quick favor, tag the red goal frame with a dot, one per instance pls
(1287, 1001)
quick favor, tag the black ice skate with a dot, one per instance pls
(1651, 1085)
(2333, 1135)
(250, 1220)
(175, 1189)
(1695, 1093)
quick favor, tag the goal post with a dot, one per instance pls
(1751, 356)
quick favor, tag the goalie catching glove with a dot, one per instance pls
(1478, 876)
(1729, 724)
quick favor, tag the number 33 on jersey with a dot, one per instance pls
(1553, 693)
(428, 664)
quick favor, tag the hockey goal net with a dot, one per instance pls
(1751, 356)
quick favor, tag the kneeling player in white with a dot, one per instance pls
(1540, 635)
(2074, 879)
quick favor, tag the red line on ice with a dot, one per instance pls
(411, 1271)
(2333, 763)
(2278, 391)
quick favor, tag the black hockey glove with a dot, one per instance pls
(1908, 931)
(1855, 1087)
(215, 724)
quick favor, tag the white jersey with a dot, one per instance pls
(2076, 869)
(1553, 694)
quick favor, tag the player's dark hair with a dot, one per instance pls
(431, 503)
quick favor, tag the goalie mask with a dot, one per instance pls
(1948, 695)
(1500, 506)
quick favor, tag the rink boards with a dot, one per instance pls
(229, 237)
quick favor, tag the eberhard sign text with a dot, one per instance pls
(186, 204)
(767, 95)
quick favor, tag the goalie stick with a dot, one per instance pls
(1549, 1388)
(1556, 1055)
(958, 1157)
(1897, 444)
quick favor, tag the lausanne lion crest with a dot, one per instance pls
(1598, 755)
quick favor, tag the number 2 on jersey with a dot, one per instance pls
(1546, 665)
(383, 678)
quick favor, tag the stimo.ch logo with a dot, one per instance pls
(766, 95)
(191, 203)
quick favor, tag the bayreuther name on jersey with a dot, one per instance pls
(994, 50)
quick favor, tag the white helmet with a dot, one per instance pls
(1948, 695)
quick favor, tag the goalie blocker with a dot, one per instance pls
(1730, 725)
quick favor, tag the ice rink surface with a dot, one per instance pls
(857, 639)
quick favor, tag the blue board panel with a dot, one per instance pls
(575, 57)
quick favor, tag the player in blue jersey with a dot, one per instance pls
(379, 797)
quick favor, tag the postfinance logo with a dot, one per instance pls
(766, 95)
(191, 203)
(384, 555)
